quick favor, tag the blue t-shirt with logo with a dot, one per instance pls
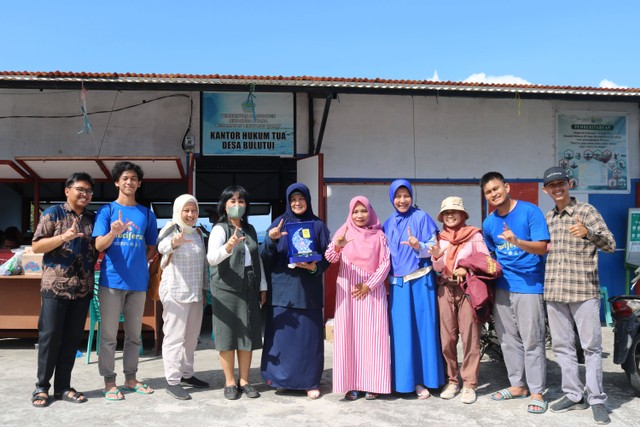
(125, 262)
(522, 272)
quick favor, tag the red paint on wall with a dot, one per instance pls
(527, 191)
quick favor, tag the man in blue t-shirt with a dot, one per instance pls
(516, 232)
(126, 232)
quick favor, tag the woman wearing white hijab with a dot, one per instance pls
(185, 279)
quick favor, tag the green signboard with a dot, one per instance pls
(633, 238)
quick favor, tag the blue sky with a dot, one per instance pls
(586, 43)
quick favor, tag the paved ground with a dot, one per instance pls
(208, 407)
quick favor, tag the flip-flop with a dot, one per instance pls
(542, 404)
(371, 396)
(140, 388)
(36, 397)
(505, 394)
(113, 394)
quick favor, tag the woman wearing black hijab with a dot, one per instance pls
(293, 353)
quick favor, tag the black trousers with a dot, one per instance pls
(60, 329)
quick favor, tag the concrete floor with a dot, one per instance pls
(208, 407)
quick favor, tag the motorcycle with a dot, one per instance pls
(625, 310)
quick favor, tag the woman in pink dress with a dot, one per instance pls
(361, 356)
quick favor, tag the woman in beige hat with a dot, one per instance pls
(455, 242)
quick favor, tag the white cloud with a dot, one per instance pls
(604, 83)
(508, 79)
(435, 77)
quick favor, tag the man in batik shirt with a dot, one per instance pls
(64, 236)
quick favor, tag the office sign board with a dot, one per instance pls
(633, 237)
(592, 146)
(248, 124)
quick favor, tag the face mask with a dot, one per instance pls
(236, 211)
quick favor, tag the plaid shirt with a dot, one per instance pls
(187, 274)
(572, 264)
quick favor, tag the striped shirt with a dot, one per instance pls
(572, 264)
(362, 354)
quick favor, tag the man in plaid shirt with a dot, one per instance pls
(572, 293)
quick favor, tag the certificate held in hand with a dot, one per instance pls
(302, 246)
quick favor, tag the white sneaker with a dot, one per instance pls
(468, 395)
(449, 391)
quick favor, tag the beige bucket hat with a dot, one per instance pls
(452, 203)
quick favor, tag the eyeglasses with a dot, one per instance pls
(81, 190)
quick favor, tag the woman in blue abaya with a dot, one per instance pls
(293, 353)
(416, 357)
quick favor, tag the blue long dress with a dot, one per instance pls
(293, 351)
(416, 356)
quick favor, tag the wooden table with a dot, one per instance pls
(19, 306)
(20, 309)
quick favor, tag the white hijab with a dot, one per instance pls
(178, 205)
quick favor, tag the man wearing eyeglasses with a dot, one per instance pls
(64, 237)
(126, 232)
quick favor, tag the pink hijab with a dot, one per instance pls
(366, 246)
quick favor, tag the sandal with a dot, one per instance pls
(537, 406)
(313, 394)
(139, 388)
(40, 396)
(352, 395)
(505, 394)
(66, 395)
(371, 396)
(113, 394)
(422, 392)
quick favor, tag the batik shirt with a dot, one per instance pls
(572, 264)
(67, 271)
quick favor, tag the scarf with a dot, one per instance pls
(396, 227)
(456, 237)
(178, 205)
(367, 242)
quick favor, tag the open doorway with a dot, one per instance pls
(265, 178)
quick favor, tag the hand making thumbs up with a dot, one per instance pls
(578, 229)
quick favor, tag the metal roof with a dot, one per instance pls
(300, 84)
(54, 169)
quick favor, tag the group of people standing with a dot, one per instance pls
(400, 339)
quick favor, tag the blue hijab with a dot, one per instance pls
(404, 259)
(321, 233)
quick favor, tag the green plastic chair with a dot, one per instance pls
(94, 320)
(604, 297)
